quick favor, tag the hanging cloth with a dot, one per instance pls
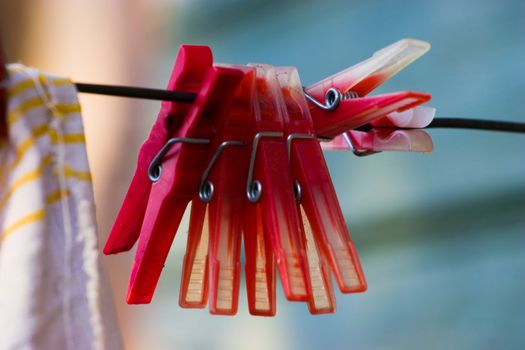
(53, 293)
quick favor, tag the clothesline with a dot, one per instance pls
(188, 97)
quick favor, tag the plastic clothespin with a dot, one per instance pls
(346, 107)
(327, 239)
(385, 135)
(212, 260)
(178, 182)
(271, 197)
(190, 69)
(3, 94)
(176, 168)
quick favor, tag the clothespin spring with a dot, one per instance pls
(332, 98)
(289, 139)
(254, 187)
(155, 167)
(206, 188)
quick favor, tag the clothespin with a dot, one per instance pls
(398, 131)
(188, 75)
(271, 206)
(346, 106)
(327, 239)
(177, 179)
(3, 94)
(175, 169)
(212, 261)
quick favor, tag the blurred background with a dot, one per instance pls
(441, 236)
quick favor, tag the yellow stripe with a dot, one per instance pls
(56, 196)
(25, 85)
(36, 216)
(67, 108)
(67, 138)
(28, 177)
(79, 175)
(29, 104)
(60, 82)
(20, 87)
(29, 142)
(21, 150)
(32, 103)
(28, 219)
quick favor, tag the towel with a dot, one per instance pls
(53, 292)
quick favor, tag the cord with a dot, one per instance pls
(188, 97)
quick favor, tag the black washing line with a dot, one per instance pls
(188, 97)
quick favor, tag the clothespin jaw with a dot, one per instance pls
(347, 108)
(398, 131)
(190, 69)
(3, 94)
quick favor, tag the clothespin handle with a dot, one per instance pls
(3, 94)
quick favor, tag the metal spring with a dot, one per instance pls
(332, 98)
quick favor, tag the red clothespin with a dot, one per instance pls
(176, 168)
(3, 95)
(327, 239)
(395, 132)
(212, 260)
(346, 107)
(260, 266)
(189, 72)
(178, 182)
(271, 206)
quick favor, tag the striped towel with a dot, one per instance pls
(53, 294)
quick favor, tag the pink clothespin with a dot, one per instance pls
(398, 131)
(270, 189)
(328, 243)
(173, 170)
(188, 75)
(346, 106)
(212, 260)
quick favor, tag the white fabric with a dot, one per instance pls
(53, 293)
